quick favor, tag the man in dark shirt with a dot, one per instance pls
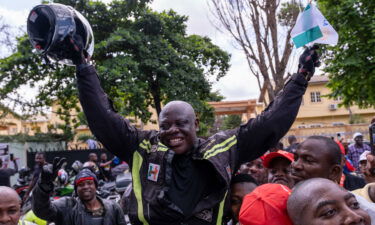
(293, 144)
(85, 209)
(40, 161)
(320, 156)
(6, 173)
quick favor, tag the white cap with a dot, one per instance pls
(362, 157)
(356, 134)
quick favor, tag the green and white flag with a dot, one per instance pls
(312, 27)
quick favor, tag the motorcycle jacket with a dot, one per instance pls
(71, 211)
(150, 160)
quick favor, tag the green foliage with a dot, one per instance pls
(356, 118)
(85, 137)
(144, 59)
(351, 64)
(231, 121)
(82, 119)
(38, 137)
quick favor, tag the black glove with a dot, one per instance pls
(49, 173)
(75, 46)
(308, 61)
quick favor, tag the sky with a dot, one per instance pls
(238, 84)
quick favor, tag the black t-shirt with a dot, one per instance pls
(93, 220)
(37, 171)
(353, 182)
(5, 175)
(191, 181)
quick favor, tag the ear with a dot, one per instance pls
(335, 173)
(196, 123)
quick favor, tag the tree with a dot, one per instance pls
(262, 31)
(144, 59)
(351, 63)
(5, 35)
(231, 121)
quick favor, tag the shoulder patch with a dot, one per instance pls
(153, 172)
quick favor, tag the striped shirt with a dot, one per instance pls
(354, 153)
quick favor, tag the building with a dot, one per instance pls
(10, 122)
(320, 115)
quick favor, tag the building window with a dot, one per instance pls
(338, 99)
(315, 96)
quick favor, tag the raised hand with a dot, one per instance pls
(308, 61)
(49, 172)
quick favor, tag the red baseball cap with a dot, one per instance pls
(280, 153)
(266, 205)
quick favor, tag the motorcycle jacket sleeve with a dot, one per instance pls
(44, 208)
(263, 132)
(111, 129)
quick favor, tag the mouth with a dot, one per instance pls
(280, 181)
(296, 177)
(175, 142)
(87, 193)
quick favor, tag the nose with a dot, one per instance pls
(279, 173)
(352, 217)
(253, 169)
(172, 129)
(297, 165)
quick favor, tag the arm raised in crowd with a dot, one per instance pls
(111, 129)
(264, 131)
(41, 203)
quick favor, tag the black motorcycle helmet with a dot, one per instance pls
(50, 24)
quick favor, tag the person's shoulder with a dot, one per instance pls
(66, 202)
(110, 205)
(366, 146)
(351, 145)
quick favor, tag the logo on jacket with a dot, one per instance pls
(153, 172)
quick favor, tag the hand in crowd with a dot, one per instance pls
(49, 172)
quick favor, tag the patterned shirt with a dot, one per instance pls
(354, 153)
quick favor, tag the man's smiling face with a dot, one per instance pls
(178, 126)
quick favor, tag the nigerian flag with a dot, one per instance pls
(312, 27)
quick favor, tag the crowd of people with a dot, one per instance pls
(234, 176)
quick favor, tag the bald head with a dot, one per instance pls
(180, 106)
(303, 193)
(10, 206)
(9, 192)
(312, 199)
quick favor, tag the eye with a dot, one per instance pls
(181, 123)
(12, 211)
(309, 159)
(273, 171)
(329, 213)
(354, 205)
(164, 126)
